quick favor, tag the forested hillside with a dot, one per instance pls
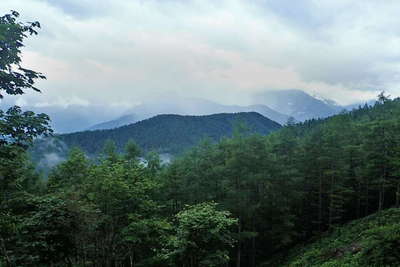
(283, 189)
(371, 241)
(170, 133)
(298, 182)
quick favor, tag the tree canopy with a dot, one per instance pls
(15, 79)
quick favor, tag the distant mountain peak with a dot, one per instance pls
(298, 104)
(123, 120)
(325, 100)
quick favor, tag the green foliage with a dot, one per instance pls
(153, 162)
(297, 182)
(41, 231)
(132, 150)
(371, 241)
(382, 246)
(47, 232)
(146, 239)
(203, 236)
(20, 128)
(110, 151)
(17, 128)
(14, 79)
(71, 173)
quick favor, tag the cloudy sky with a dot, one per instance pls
(121, 52)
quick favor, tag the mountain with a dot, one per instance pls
(72, 116)
(263, 110)
(121, 121)
(170, 133)
(189, 106)
(298, 104)
(371, 241)
(66, 118)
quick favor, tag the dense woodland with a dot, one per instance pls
(244, 201)
(169, 133)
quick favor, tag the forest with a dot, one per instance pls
(169, 133)
(247, 200)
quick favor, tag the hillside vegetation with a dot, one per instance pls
(170, 133)
(274, 192)
(371, 241)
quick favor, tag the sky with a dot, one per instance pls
(119, 53)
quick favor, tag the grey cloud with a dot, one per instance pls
(299, 14)
(81, 9)
(131, 51)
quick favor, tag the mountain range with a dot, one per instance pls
(190, 106)
(275, 105)
(298, 104)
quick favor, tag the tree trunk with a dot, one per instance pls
(239, 252)
(320, 204)
(367, 200)
(358, 210)
(331, 202)
(398, 195)
(381, 194)
(253, 251)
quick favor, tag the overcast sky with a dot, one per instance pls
(122, 52)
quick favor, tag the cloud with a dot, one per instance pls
(81, 9)
(64, 103)
(130, 51)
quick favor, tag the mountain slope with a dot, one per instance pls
(121, 121)
(298, 104)
(371, 241)
(170, 133)
(190, 106)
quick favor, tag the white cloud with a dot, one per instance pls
(21, 102)
(121, 51)
(63, 103)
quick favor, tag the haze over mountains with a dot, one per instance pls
(298, 104)
(190, 106)
(275, 105)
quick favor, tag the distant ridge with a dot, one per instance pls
(121, 121)
(170, 133)
(298, 104)
(189, 106)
